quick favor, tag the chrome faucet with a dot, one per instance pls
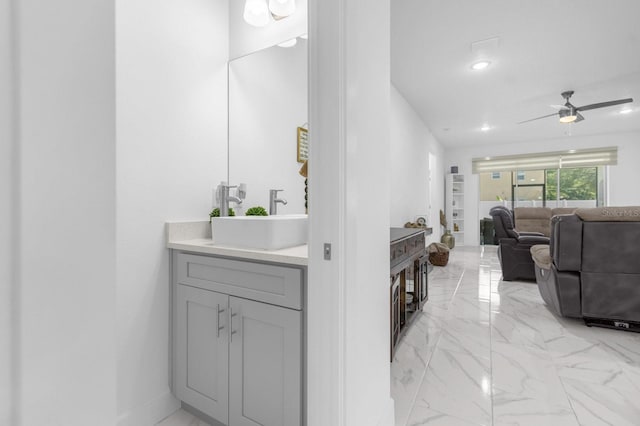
(274, 200)
(225, 198)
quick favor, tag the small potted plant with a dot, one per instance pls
(256, 211)
(216, 213)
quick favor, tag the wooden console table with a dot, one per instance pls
(409, 279)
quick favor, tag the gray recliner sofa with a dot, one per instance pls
(591, 269)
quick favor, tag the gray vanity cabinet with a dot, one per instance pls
(202, 350)
(264, 365)
(236, 359)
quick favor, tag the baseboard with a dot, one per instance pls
(150, 413)
(387, 417)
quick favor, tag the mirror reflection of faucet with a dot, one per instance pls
(274, 200)
(223, 196)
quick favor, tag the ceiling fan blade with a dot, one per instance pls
(559, 107)
(579, 117)
(533, 119)
(604, 104)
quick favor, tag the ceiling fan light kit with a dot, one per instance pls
(569, 113)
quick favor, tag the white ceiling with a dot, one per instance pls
(545, 47)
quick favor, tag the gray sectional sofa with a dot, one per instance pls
(591, 268)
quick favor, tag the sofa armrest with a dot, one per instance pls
(524, 234)
(532, 240)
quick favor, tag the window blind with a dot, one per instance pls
(547, 160)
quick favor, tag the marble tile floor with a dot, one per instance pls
(489, 352)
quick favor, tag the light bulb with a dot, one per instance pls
(256, 13)
(282, 8)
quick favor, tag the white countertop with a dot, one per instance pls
(196, 237)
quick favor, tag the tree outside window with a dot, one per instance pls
(575, 184)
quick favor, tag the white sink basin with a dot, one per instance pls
(260, 232)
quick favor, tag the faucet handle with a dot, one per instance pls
(242, 191)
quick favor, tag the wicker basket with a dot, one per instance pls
(439, 258)
(438, 254)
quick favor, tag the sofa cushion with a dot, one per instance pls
(503, 222)
(532, 219)
(563, 210)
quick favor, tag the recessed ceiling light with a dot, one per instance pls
(485, 127)
(626, 111)
(572, 151)
(480, 65)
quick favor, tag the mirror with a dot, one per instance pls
(267, 104)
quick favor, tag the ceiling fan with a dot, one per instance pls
(569, 113)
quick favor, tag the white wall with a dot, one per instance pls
(411, 143)
(244, 38)
(622, 178)
(66, 186)
(267, 103)
(6, 216)
(171, 114)
(348, 296)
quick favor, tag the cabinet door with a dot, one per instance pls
(265, 365)
(202, 355)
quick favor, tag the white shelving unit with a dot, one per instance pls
(455, 206)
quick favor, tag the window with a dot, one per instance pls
(573, 178)
(578, 186)
(567, 187)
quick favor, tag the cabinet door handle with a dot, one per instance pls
(231, 319)
(219, 327)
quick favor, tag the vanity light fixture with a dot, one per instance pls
(480, 65)
(282, 8)
(259, 13)
(256, 13)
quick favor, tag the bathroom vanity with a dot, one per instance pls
(238, 320)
